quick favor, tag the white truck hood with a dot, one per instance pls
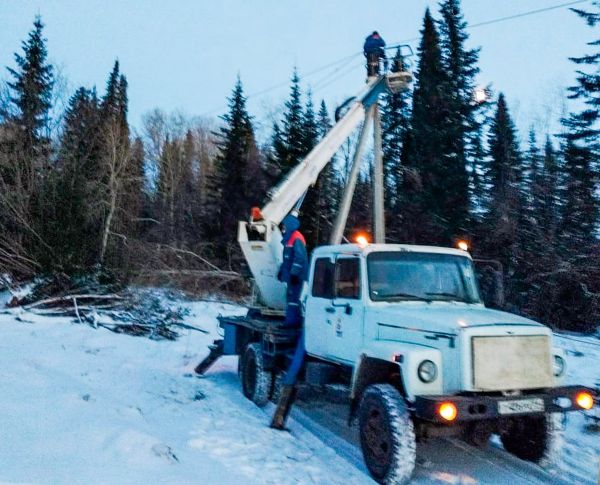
(442, 316)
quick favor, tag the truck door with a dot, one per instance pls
(346, 333)
(318, 318)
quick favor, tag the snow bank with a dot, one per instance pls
(80, 405)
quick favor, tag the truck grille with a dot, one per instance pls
(511, 362)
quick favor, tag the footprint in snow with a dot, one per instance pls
(163, 451)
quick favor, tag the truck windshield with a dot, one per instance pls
(421, 277)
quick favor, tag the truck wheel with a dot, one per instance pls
(387, 435)
(256, 381)
(534, 438)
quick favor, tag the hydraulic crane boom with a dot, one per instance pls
(291, 189)
(260, 238)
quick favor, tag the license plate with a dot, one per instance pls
(534, 405)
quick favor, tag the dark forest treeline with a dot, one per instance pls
(82, 194)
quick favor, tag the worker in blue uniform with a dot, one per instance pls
(293, 272)
(374, 51)
(294, 269)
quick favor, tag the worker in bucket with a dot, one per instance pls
(374, 52)
(293, 272)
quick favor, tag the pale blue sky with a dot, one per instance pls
(185, 54)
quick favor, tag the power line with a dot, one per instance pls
(346, 59)
(343, 61)
(332, 74)
(338, 77)
(502, 19)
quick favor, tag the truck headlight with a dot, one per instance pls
(559, 366)
(427, 371)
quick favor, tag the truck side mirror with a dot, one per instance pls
(499, 299)
(490, 276)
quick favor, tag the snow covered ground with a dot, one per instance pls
(79, 405)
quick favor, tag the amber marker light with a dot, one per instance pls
(448, 411)
(463, 245)
(362, 240)
(584, 400)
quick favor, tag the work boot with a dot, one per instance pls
(284, 406)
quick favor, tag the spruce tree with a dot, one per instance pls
(73, 222)
(238, 183)
(464, 130)
(506, 205)
(318, 209)
(533, 243)
(548, 202)
(584, 125)
(24, 195)
(532, 177)
(580, 212)
(582, 148)
(329, 177)
(111, 99)
(360, 218)
(275, 153)
(120, 221)
(395, 123)
(310, 208)
(293, 148)
(31, 90)
(433, 184)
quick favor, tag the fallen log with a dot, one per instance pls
(70, 298)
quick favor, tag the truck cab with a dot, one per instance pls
(419, 307)
(428, 359)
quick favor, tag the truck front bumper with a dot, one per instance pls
(474, 406)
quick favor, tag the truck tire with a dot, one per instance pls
(534, 438)
(387, 435)
(256, 381)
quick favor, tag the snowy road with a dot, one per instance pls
(441, 461)
(79, 405)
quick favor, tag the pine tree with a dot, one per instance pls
(432, 183)
(32, 89)
(238, 183)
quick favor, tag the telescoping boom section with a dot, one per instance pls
(260, 238)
